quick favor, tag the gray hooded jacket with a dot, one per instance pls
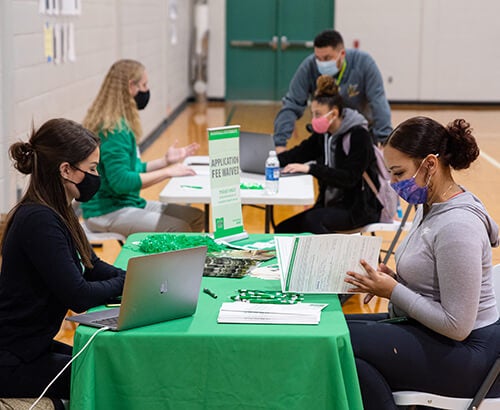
(350, 119)
(444, 268)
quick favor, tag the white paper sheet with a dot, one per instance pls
(318, 263)
(284, 248)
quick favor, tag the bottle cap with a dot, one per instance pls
(272, 153)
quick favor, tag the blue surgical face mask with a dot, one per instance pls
(327, 67)
(410, 191)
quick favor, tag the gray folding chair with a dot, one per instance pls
(96, 238)
(395, 226)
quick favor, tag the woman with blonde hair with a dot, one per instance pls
(345, 201)
(118, 207)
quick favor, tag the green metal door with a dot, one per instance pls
(267, 40)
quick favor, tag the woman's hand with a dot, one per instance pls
(380, 283)
(180, 170)
(153, 176)
(383, 268)
(175, 154)
(292, 168)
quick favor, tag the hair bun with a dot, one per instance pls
(27, 149)
(22, 153)
(326, 85)
(461, 147)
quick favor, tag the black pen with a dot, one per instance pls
(209, 292)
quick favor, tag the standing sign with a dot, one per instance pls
(227, 218)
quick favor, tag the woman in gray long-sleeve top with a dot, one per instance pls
(445, 332)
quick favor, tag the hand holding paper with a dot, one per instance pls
(383, 268)
(374, 282)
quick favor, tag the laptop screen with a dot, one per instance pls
(254, 150)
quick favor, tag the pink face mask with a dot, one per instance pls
(321, 124)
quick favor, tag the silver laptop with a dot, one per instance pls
(158, 287)
(254, 150)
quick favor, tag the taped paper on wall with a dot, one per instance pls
(48, 42)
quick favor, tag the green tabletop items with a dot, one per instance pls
(266, 296)
(248, 185)
(222, 261)
(169, 242)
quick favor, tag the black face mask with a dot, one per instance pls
(88, 186)
(141, 99)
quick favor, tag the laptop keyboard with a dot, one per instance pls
(110, 321)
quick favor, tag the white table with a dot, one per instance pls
(293, 190)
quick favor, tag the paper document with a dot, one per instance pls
(243, 312)
(318, 263)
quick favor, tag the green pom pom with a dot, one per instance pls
(170, 242)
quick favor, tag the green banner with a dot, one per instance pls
(224, 151)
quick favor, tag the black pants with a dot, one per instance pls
(320, 220)
(20, 379)
(409, 356)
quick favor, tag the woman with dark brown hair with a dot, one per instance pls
(48, 265)
(345, 200)
(442, 333)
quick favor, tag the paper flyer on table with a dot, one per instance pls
(264, 313)
(318, 263)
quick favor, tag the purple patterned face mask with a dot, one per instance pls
(410, 191)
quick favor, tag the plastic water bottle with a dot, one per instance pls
(272, 173)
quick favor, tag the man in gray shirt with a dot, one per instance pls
(359, 80)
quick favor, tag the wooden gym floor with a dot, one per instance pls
(483, 178)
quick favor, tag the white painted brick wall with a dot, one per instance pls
(216, 64)
(106, 31)
(178, 55)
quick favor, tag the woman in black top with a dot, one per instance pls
(342, 149)
(48, 265)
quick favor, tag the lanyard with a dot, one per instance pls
(342, 71)
(260, 296)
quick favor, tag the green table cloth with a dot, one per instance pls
(196, 363)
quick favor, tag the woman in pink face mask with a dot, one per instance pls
(337, 154)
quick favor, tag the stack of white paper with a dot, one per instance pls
(269, 272)
(243, 312)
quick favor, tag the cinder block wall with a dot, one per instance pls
(33, 90)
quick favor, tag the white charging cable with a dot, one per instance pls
(102, 329)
